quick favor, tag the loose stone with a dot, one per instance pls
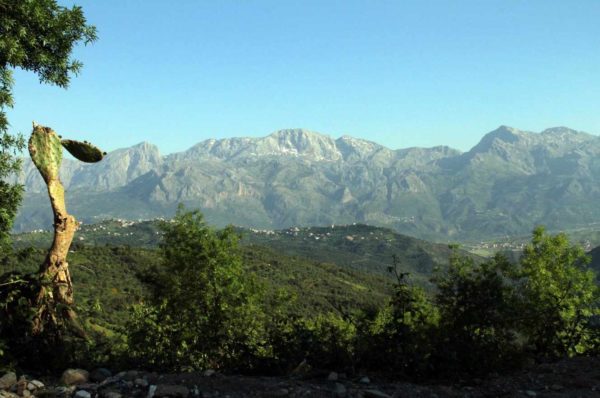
(74, 376)
(82, 394)
(8, 380)
(100, 374)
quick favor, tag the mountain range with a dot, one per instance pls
(509, 182)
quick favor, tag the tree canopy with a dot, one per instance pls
(36, 36)
(204, 311)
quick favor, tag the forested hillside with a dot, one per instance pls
(354, 247)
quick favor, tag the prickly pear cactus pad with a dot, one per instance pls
(46, 151)
(83, 151)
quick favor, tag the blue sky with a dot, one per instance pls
(401, 73)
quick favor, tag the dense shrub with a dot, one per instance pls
(331, 341)
(398, 339)
(478, 304)
(495, 314)
(54, 348)
(15, 313)
(204, 311)
(559, 296)
(483, 317)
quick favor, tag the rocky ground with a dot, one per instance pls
(579, 377)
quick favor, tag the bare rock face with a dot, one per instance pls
(508, 182)
(118, 168)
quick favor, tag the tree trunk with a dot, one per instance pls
(55, 299)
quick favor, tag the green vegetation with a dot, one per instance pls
(479, 307)
(483, 317)
(559, 295)
(181, 295)
(200, 300)
(360, 248)
(37, 36)
(400, 335)
(204, 311)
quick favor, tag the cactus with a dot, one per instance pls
(45, 148)
(83, 151)
(46, 152)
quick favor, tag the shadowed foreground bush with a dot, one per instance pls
(482, 318)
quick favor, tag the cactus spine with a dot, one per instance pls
(56, 294)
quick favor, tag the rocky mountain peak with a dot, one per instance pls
(560, 130)
(351, 147)
(296, 134)
(300, 142)
(502, 134)
(564, 135)
(300, 177)
(143, 149)
(145, 146)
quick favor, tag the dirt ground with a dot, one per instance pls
(579, 377)
(576, 377)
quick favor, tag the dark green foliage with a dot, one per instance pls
(478, 307)
(329, 341)
(369, 250)
(319, 287)
(37, 36)
(16, 292)
(10, 145)
(560, 295)
(399, 337)
(496, 313)
(116, 276)
(360, 247)
(38, 352)
(204, 310)
(324, 340)
(108, 283)
(482, 318)
(10, 194)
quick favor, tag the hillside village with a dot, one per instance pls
(115, 228)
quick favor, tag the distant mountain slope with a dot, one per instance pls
(509, 182)
(362, 248)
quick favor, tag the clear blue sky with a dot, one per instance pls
(401, 73)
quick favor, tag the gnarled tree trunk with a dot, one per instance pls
(54, 302)
(56, 293)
